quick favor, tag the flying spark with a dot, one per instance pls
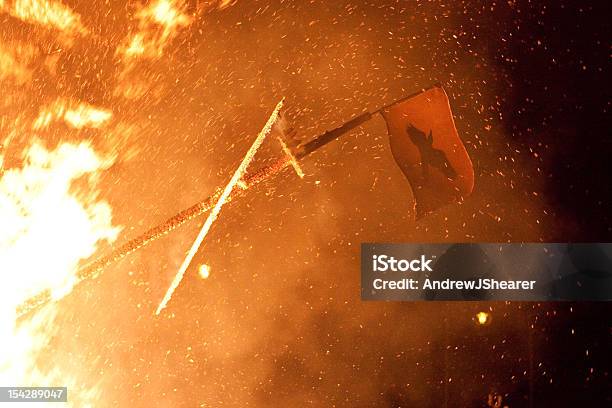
(483, 318)
(204, 271)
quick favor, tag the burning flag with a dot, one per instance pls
(428, 150)
(38, 200)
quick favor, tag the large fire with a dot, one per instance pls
(51, 215)
(37, 206)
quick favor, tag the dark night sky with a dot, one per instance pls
(557, 66)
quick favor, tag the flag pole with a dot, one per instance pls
(334, 134)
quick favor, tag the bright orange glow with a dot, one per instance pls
(204, 271)
(14, 62)
(76, 115)
(165, 14)
(36, 207)
(51, 14)
(483, 318)
(158, 24)
(225, 3)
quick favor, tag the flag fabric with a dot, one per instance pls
(428, 150)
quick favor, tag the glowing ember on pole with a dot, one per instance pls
(238, 174)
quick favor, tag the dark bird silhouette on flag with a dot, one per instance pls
(430, 156)
(437, 165)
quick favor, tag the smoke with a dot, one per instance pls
(279, 322)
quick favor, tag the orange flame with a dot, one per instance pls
(14, 62)
(204, 271)
(158, 24)
(77, 115)
(36, 204)
(50, 14)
